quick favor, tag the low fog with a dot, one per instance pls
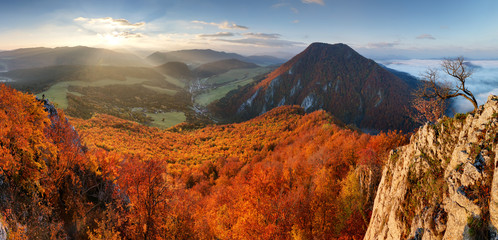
(483, 82)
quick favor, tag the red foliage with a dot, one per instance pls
(282, 175)
(276, 176)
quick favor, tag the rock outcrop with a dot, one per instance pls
(443, 185)
(3, 230)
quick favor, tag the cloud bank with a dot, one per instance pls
(483, 82)
(219, 34)
(382, 45)
(108, 22)
(222, 25)
(108, 27)
(262, 35)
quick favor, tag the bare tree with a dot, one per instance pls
(434, 88)
(424, 110)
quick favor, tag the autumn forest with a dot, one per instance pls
(284, 175)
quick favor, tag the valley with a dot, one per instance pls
(207, 90)
(227, 149)
(215, 86)
(249, 120)
(161, 96)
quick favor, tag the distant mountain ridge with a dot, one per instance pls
(44, 57)
(409, 79)
(222, 66)
(331, 77)
(201, 56)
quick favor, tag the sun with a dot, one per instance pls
(112, 39)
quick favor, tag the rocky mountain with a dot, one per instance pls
(222, 66)
(443, 184)
(409, 79)
(43, 57)
(331, 77)
(197, 57)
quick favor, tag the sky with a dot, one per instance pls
(482, 82)
(377, 29)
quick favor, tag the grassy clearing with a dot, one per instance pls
(237, 75)
(177, 82)
(162, 90)
(170, 119)
(58, 92)
(211, 95)
(226, 82)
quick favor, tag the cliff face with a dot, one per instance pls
(334, 78)
(443, 185)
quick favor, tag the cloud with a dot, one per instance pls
(122, 35)
(219, 34)
(285, 4)
(484, 80)
(382, 45)
(262, 35)
(108, 27)
(426, 36)
(109, 22)
(295, 21)
(222, 25)
(320, 2)
(255, 40)
(259, 42)
(279, 5)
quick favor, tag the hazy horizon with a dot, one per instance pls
(283, 55)
(380, 29)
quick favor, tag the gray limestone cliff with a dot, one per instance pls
(443, 184)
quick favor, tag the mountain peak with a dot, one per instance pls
(331, 50)
(221, 66)
(78, 55)
(321, 44)
(332, 77)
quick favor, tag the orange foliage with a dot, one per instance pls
(46, 176)
(277, 176)
(283, 175)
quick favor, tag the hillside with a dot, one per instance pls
(44, 57)
(409, 79)
(286, 174)
(222, 66)
(265, 60)
(331, 77)
(207, 90)
(135, 93)
(443, 184)
(36, 80)
(177, 70)
(51, 186)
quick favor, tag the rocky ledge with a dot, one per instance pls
(443, 184)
